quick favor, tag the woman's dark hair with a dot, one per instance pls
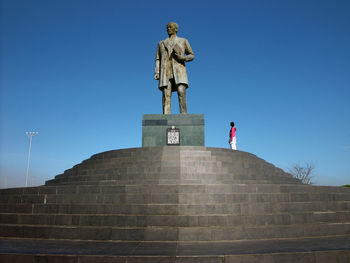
(232, 124)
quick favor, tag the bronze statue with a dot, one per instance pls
(172, 53)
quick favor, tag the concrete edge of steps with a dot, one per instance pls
(335, 249)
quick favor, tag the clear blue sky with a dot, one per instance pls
(80, 72)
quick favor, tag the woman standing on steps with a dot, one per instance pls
(232, 140)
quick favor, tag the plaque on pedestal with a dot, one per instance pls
(173, 136)
(165, 129)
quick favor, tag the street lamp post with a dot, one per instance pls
(30, 136)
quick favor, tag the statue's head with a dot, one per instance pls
(172, 28)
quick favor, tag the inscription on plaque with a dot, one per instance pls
(173, 136)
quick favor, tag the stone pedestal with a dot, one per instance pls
(154, 129)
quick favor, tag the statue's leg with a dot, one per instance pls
(167, 99)
(181, 92)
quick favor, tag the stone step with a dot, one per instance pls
(174, 233)
(308, 250)
(172, 151)
(114, 187)
(144, 162)
(222, 220)
(262, 232)
(193, 166)
(158, 182)
(174, 175)
(339, 256)
(97, 181)
(171, 198)
(243, 208)
(136, 155)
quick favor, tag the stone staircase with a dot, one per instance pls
(174, 194)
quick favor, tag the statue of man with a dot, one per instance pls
(172, 53)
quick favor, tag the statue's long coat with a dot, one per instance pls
(164, 56)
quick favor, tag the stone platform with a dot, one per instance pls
(175, 204)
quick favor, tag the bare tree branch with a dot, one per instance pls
(303, 173)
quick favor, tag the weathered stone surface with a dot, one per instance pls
(154, 128)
